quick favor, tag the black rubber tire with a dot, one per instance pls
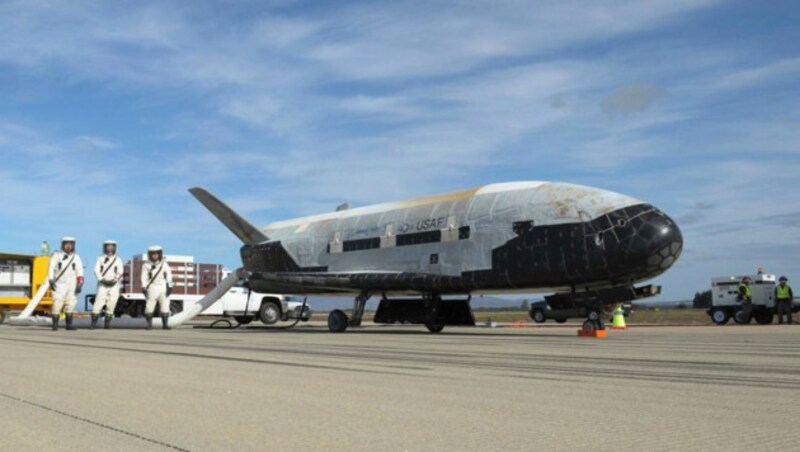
(243, 320)
(2, 317)
(589, 325)
(435, 329)
(537, 315)
(720, 316)
(174, 307)
(764, 317)
(739, 318)
(338, 321)
(561, 320)
(269, 313)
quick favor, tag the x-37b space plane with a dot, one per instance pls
(426, 257)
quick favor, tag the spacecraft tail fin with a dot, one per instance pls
(240, 227)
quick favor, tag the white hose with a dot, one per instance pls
(34, 301)
(194, 310)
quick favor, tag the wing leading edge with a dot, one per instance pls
(240, 227)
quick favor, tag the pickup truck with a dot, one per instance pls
(540, 312)
(268, 308)
(239, 303)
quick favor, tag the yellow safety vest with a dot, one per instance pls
(747, 291)
(782, 292)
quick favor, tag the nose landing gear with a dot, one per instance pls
(594, 326)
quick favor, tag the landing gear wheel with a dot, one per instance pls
(537, 315)
(269, 313)
(590, 326)
(434, 328)
(741, 317)
(174, 307)
(337, 321)
(720, 316)
(561, 320)
(243, 320)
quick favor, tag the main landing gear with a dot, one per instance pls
(338, 322)
(429, 310)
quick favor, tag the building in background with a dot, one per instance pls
(190, 278)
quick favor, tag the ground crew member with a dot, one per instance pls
(156, 285)
(66, 281)
(745, 296)
(783, 299)
(108, 271)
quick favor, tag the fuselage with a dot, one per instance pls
(520, 236)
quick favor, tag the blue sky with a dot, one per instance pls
(109, 112)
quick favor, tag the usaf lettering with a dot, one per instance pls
(431, 223)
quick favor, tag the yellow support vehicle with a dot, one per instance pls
(21, 276)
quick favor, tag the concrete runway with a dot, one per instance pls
(390, 388)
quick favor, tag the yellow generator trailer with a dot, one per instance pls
(21, 275)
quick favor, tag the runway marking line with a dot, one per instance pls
(95, 423)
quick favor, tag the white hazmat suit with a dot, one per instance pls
(156, 279)
(65, 276)
(108, 271)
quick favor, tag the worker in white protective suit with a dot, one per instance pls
(108, 271)
(156, 285)
(66, 281)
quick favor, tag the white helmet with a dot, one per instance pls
(155, 249)
(108, 243)
(67, 239)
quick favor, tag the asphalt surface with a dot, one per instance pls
(392, 388)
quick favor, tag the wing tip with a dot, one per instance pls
(240, 227)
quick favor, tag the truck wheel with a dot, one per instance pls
(741, 317)
(337, 321)
(243, 320)
(561, 320)
(269, 313)
(537, 315)
(720, 316)
(434, 328)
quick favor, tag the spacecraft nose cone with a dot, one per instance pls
(657, 238)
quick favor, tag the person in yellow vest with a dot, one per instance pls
(783, 300)
(745, 296)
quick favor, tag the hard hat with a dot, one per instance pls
(747, 279)
(67, 239)
(783, 278)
